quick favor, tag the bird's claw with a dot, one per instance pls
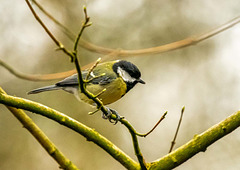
(108, 116)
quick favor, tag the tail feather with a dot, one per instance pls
(46, 88)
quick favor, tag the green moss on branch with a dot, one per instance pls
(198, 144)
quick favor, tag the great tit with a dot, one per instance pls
(116, 77)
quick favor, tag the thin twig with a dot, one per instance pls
(82, 83)
(66, 31)
(84, 25)
(59, 44)
(101, 92)
(160, 120)
(92, 68)
(176, 133)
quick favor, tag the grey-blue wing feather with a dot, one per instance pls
(103, 80)
(42, 89)
(73, 80)
(69, 81)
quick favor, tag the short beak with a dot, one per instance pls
(141, 81)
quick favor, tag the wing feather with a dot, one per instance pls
(101, 80)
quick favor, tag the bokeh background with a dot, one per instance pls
(204, 77)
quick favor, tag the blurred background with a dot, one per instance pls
(204, 77)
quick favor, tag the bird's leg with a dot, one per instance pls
(104, 116)
(109, 113)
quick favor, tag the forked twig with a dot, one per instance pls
(176, 133)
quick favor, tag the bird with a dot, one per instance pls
(111, 80)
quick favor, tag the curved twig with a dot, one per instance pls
(36, 77)
(153, 50)
(193, 40)
(160, 120)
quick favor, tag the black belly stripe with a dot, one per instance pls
(130, 86)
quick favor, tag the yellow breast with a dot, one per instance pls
(114, 91)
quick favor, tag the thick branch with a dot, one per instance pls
(61, 118)
(46, 143)
(198, 144)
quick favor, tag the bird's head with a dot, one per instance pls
(128, 72)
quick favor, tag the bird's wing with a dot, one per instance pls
(69, 81)
(95, 77)
(102, 80)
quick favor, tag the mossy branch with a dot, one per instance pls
(198, 144)
(46, 143)
(88, 133)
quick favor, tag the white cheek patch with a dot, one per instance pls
(92, 74)
(125, 76)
